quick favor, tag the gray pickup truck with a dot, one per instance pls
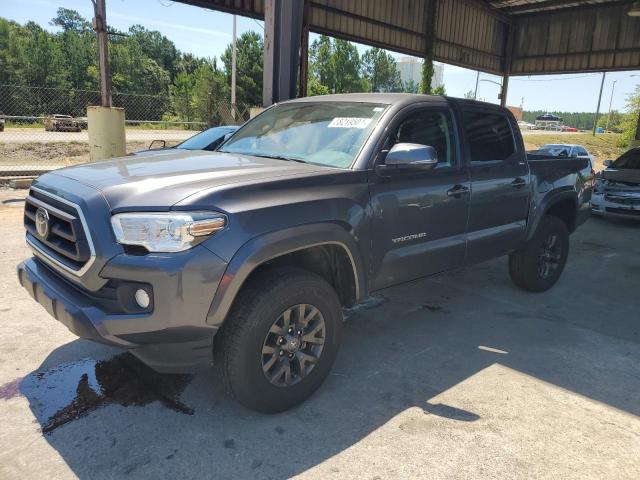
(244, 258)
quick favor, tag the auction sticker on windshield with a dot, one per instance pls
(349, 122)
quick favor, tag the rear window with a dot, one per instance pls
(489, 136)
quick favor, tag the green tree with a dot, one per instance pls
(630, 122)
(209, 82)
(320, 63)
(181, 92)
(439, 90)
(314, 87)
(427, 75)
(157, 47)
(346, 67)
(336, 65)
(470, 95)
(249, 60)
(381, 71)
(410, 87)
(612, 121)
(69, 19)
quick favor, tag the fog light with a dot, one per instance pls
(142, 298)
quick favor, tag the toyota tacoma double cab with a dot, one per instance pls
(244, 258)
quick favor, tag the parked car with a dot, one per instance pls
(208, 140)
(526, 125)
(58, 123)
(83, 122)
(567, 150)
(567, 128)
(617, 189)
(245, 256)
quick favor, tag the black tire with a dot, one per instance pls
(538, 266)
(238, 348)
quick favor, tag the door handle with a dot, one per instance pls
(518, 182)
(457, 191)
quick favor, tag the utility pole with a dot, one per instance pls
(613, 87)
(595, 124)
(475, 94)
(233, 72)
(100, 26)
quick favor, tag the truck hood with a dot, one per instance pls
(157, 182)
(622, 179)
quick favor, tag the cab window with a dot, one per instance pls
(427, 127)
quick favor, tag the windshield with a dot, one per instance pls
(630, 160)
(207, 140)
(557, 150)
(327, 133)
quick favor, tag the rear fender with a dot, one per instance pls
(543, 205)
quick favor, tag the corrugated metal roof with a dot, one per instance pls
(519, 7)
(548, 35)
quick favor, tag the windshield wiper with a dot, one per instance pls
(278, 157)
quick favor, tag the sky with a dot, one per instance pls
(206, 33)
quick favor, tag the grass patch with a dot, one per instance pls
(603, 146)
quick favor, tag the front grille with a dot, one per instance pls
(622, 200)
(624, 211)
(64, 240)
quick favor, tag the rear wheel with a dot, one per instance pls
(538, 266)
(280, 339)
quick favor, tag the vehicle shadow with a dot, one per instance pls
(401, 351)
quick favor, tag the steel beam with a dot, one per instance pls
(282, 34)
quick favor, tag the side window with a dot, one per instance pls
(581, 152)
(489, 135)
(428, 127)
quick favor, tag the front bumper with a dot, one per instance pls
(172, 336)
(619, 205)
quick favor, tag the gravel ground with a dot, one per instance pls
(458, 376)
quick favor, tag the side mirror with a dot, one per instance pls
(607, 163)
(405, 157)
(155, 145)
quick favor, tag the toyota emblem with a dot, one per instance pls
(42, 222)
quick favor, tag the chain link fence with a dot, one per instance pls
(44, 128)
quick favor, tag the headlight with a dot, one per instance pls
(166, 232)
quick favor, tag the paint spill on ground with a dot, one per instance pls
(11, 389)
(71, 391)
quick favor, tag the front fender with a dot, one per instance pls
(274, 244)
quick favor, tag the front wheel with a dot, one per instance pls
(280, 339)
(538, 266)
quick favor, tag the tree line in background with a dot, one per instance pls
(174, 85)
(179, 86)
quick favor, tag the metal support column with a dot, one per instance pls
(303, 77)
(508, 54)
(282, 34)
(636, 139)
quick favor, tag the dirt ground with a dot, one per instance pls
(460, 376)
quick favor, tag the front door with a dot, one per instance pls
(419, 219)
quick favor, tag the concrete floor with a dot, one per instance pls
(459, 376)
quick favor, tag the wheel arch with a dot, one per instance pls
(561, 204)
(302, 243)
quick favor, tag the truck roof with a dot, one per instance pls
(397, 99)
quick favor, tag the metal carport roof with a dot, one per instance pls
(496, 36)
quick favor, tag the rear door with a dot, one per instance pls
(419, 218)
(500, 183)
